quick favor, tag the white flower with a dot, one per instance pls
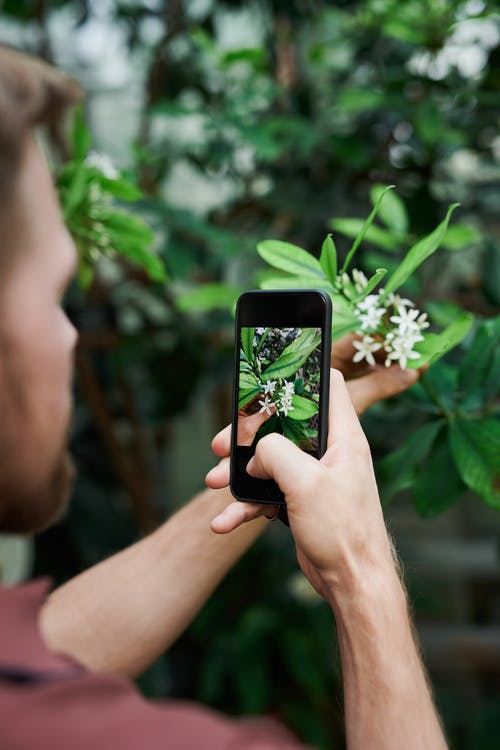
(422, 321)
(406, 320)
(359, 279)
(397, 301)
(266, 405)
(365, 348)
(368, 303)
(400, 348)
(270, 386)
(260, 331)
(286, 406)
(285, 396)
(103, 163)
(370, 320)
(369, 313)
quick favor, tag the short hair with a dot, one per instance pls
(32, 94)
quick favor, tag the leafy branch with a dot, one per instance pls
(91, 193)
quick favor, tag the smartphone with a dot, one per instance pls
(281, 380)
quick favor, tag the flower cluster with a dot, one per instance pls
(103, 163)
(278, 395)
(351, 288)
(386, 322)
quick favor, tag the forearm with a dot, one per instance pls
(388, 703)
(121, 614)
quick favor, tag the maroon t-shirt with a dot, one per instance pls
(49, 702)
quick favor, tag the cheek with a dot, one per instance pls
(56, 351)
(39, 359)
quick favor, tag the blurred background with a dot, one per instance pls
(245, 120)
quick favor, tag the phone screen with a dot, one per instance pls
(282, 361)
(279, 385)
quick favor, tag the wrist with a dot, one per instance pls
(365, 589)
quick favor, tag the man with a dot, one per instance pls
(66, 660)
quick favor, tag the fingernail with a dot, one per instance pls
(409, 376)
(250, 465)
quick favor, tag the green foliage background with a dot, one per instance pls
(296, 127)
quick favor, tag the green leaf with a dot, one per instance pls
(396, 470)
(295, 431)
(479, 358)
(293, 356)
(119, 188)
(392, 210)
(359, 239)
(443, 312)
(436, 345)
(328, 259)
(295, 282)
(305, 341)
(209, 297)
(143, 257)
(374, 234)
(343, 318)
(437, 485)
(152, 264)
(353, 99)
(248, 380)
(418, 253)
(80, 137)
(247, 337)
(475, 446)
(126, 228)
(75, 193)
(290, 258)
(85, 273)
(303, 408)
(461, 236)
(256, 56)
(441, 380)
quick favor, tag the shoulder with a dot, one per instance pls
(93, 712)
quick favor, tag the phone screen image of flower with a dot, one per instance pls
(279, 385)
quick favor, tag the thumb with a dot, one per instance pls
(278, 458)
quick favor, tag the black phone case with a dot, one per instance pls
(277, 308)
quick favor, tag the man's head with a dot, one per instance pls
(37, 260)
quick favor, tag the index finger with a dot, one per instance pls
(221, 444)
(343, 423)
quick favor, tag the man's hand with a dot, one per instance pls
(333, 504)
(366, 386)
